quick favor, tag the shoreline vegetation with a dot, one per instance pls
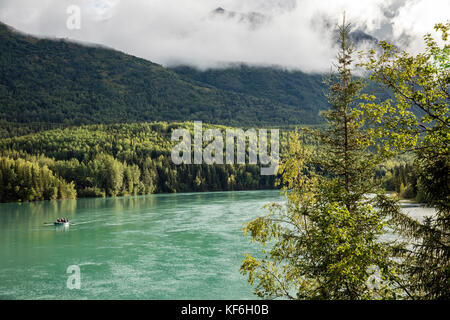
(111, 160)
(134, 159)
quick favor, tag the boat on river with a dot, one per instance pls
(61, 224)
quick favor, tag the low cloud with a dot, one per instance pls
(289, 33)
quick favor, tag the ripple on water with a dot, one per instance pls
(177, 246)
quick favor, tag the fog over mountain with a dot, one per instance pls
(294, 34)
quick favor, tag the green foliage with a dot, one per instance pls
(402, 178)
(326, 241)
(318, 249)
(127, 159)
(46, 84)
(91, 192)
(289, 88)
(22, 180)
(416, 81)
(421, 81)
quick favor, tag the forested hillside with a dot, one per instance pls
(282, 86)
(111, 160)
(22, 180)
(46, 83)
(127, 159)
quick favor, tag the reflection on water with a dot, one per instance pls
(62, 228)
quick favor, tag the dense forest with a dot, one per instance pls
(54, 83)
(50, 88)
(131, 159)
(48, 83)
(27, 181)
(401, 177)
(282, 86)
(113, 160)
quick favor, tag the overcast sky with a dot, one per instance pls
(290, 33)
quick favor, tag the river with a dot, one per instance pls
(167, 246)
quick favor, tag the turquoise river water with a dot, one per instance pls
(169, 246)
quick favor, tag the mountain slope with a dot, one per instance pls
(293, 88)
(59, 82)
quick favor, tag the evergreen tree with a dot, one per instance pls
(22, 180)
(326, 243)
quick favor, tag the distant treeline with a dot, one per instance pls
(22, 180)
(401, 177)
(135, 159)
(110, 160)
